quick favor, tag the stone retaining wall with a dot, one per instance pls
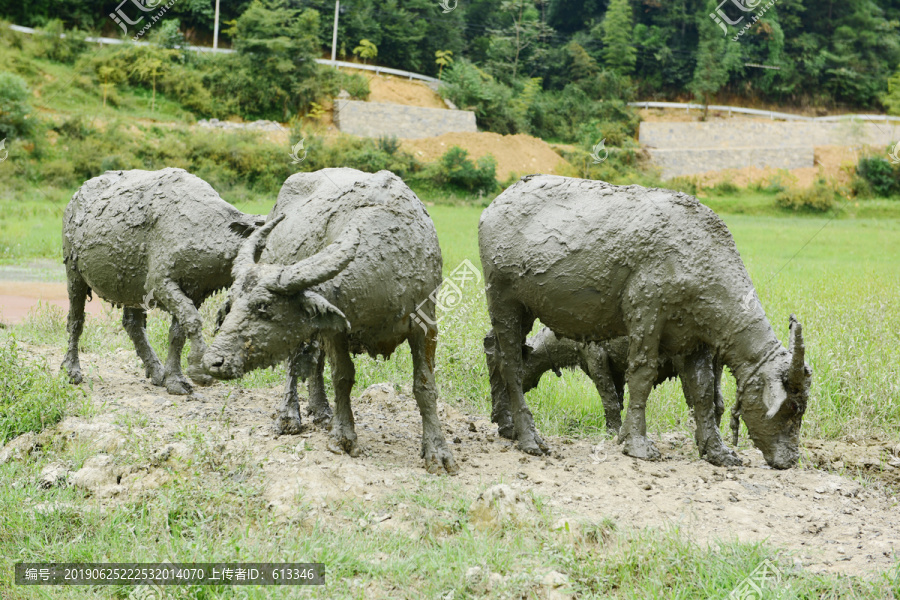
(676, 162)
(375, 119)
(694, 147)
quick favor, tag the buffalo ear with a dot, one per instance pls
(245, 227)
(242, 228)
(774, 396)
(323, 314)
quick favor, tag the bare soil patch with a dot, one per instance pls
(396, 90)
(18, 298)
(829, 522)
(516, 154)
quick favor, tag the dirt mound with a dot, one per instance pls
(835, 164)
(827, 521)
(384, 88)
(516, 154)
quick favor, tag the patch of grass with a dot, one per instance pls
(30, 398)
(201, 517)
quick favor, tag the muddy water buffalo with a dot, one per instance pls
(594, 261)
(606, 364)
(140, 239)
(344, 260)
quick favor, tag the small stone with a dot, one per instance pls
(18, 448)
(474, 575)
(472, 426)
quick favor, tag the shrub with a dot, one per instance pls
(14, 108)
(883, 178)
(388, 144)
(456, 169)
(61, 49)
(30, 398)
(726, 188)
(819, 198)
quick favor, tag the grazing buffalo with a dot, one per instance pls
(606, 364)
(344, 261)
(594, 261)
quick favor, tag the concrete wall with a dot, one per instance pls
(692, 147)
(375, 119)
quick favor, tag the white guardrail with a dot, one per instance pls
(760, 113)
(322, 61)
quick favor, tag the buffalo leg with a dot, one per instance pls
(134, 320)
(185, 312)
(318, 408)
(287, 415)
(511, 326)
(343, 375)
(717, 383)
(698, 380)
(176, 382)
(597, 366)
(643, 353)
(78, 293)
(499, 398)
(434, 449)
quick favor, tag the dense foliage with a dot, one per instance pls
(833, 53)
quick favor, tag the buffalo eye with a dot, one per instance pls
(262, 309)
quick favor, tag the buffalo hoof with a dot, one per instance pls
(321, 415)
(199, 376)
(343, 440)
(74, 373)
(505, 426)
(288, 425)
(531, 443)
(640, 446)
(439, 459)
(157, 376)
(613, 424)
(723, 457)
(177, 385)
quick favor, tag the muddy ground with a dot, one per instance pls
(844, 520)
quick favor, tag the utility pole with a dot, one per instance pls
(216, 28)
(337, 8)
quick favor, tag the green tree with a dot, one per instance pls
(619, 53)
(366, 50)
(274, 70)
(443, 58)
(891, 99)
(716, 58)
(14, 107)
(150, 63)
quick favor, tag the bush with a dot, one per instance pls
(457, 170)
(61, 49)
(883, 178)
(819, 198)
(14, 108)
(30, 398)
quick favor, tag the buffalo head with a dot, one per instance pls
(772, 402)
(270, 309)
